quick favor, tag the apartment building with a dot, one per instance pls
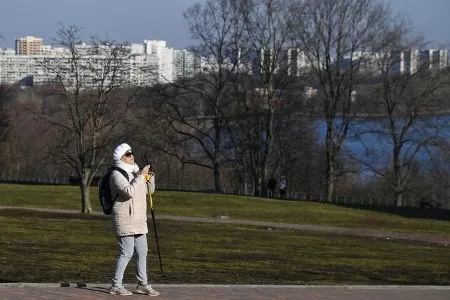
(148, 63)
(433, 59)
(15, 68)
(292, 62)
(29, 45)
(185, 64)
(152, 61)
(164, 56)
(412, 60)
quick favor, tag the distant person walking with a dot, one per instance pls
(129, 218)
(282, 185)
(272, 185)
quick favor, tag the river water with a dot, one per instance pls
(370, 139)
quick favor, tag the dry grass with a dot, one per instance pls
(44, 247)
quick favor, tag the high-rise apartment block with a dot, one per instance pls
(147, 63)
(408, 62)
(292, 62)
(185, 64)
(152, 61)
(164, 56)
(29, 45)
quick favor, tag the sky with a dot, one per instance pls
(137, 20)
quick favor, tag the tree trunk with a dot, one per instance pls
(85, 201)
(330, 186)
(254, 186)
(331, 176)
(264, 187)
(217, 182)
(399, 199)
(259, 187)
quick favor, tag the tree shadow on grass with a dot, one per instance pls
(30, 213)
(408, 212)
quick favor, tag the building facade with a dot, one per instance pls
(29, 45)
(152, 61)
(409, 62)
(146, 63)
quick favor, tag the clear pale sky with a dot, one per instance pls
(138, 20)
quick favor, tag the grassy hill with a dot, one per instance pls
(248, 208)
(52, 247)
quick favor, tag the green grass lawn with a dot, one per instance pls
(237, 207)
(48, 247)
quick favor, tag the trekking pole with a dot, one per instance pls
(152, 211)
(156, 233)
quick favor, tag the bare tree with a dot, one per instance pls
(168, 115)
(410, 101)
(339, 38)
(23, 147)
(267, 65)
(6, 93)
(196, 107)
(438, 174)
(5, 122)
(91, 92)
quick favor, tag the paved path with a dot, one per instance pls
(227, 292)
(304, 227)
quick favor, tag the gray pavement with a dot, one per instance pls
(226, 292)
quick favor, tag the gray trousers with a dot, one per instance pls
(129, 245)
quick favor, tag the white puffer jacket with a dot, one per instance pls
(129, 214)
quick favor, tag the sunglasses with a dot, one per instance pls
(128, 154)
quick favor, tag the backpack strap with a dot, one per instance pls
(124, 173)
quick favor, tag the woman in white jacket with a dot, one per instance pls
(129, 218)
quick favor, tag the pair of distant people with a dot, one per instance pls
(282, 185)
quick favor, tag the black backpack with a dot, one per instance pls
(104, 190)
